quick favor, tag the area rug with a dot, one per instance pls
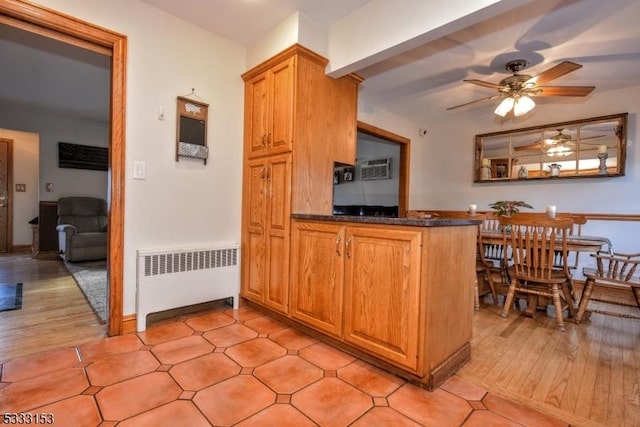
(91, 277)
(10, 296)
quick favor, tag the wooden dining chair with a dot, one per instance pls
(484, 267)
(617, 271)
(533, 243)
(494, 253)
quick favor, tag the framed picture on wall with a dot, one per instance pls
(347, 174)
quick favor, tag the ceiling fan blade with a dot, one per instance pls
(488, 98)
(529, 147)
(554, 72)
(592, 137)
(483, 83)
(565, 90)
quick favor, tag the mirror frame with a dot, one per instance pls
(621, 132)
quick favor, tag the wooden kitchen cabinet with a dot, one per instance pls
(265, 257)
(381, 292)
(269, 101)
(291, 105)
(366, 277)
(296, 118)
(317, 275)
(397, 293)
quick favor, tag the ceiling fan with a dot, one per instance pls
(559, 144)
(517, 90)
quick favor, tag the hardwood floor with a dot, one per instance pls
(54, 310)
(588, 375)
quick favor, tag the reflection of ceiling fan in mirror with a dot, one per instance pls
(561, 144)
(517, 90)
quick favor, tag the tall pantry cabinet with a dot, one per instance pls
(298, 122)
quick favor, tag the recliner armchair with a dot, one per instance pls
(82, 228)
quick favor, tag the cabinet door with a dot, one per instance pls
(278, 223)
(254, 249)
(382, 291)
(257, 114)
(317, 275)
(280, 138)
(269, 110)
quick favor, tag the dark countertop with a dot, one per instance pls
(430, 222)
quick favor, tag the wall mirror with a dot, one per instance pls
(586, 148)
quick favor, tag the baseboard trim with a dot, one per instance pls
(129, 324)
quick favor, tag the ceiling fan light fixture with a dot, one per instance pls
(559, 150)
(523, 105)
(505, 106)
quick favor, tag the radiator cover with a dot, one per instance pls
(179, 277)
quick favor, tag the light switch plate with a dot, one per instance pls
(139, 169)
(21, 188)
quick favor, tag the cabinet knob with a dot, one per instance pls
(348, 245)
(338, 239)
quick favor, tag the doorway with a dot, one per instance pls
(71, 30)
(404, 145)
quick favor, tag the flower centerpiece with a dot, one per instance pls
(509, 207)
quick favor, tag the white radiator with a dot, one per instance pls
(173, 278)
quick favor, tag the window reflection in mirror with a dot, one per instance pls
(593, 147)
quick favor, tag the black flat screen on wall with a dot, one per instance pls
(192, 130)
(76, 156)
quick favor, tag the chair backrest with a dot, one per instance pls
(578, 220)
(87, 214)
(534, 243)
(618, 268)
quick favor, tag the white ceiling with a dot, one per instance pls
(603, 36)
(41, 72)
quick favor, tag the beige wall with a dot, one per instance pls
(183, 203)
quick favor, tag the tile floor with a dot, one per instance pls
(235, 368)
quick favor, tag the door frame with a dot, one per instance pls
(405, 159)
(9, 201)
(66, 28)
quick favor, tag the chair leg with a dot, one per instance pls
(584, 300)
(476, 300)
(492, 286)
(636, 294)
(558, 306)
(509, 300)
(567, 292)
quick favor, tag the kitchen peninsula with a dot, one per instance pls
(396, 292)
(397, 289)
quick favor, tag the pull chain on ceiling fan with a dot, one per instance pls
(518, 89)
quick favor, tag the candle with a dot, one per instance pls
(602, 149)
(551, 211)
(472, 209)
(486, 162)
